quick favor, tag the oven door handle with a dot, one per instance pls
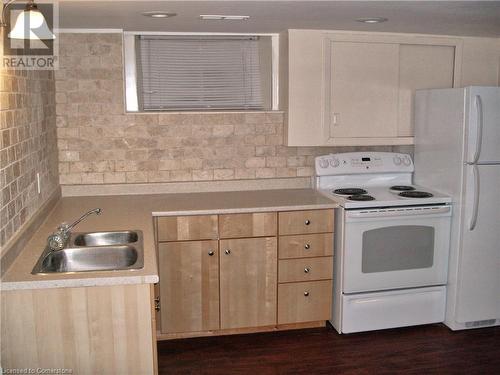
(399, 212)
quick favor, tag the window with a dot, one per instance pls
(198, 72)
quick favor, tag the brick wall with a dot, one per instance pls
(99, 144)
(27, 146)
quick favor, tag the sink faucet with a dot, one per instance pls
(59, 239)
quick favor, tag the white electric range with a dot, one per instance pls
(391, 242)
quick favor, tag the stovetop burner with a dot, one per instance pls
(415, 194)
(372, 180)
(402, 188)
(350, 191)
(361, 197)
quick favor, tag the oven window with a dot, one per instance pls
(401, 247)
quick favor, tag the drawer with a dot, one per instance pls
(260, 224)
(394, 308)
(304, 302)
(183, 228)
(306, 245)
(303, 222)
(305, 269)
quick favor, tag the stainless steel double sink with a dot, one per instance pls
(95, 251)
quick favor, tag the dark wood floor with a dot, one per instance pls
(432, 349)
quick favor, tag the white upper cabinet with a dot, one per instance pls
(357, 89)
(301, 93)
(421, 67)
(363, 96)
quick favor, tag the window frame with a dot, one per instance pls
(131, 79)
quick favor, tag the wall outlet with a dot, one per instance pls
(38, 183)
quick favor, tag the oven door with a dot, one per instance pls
(395, 248)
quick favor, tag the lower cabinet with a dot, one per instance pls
(190, 284)
(236, 283)
(248, 282)
(305, 266)
(189, 290)
(304, 302)
(88, 330)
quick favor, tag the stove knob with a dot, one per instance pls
(323, 163)
(334, 163)
(397, 160)
(406, 161)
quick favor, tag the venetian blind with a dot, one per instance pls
(199, 72)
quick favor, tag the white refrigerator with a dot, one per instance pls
(457, 152)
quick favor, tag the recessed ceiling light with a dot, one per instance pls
(159, 14)
(372, 19)
(223, 17)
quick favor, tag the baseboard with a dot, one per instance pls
(239, 331)
(14, 246)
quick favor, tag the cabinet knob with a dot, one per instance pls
(307, 222)
(307, 246)
(306, 294)
(211, 252)
(307, 270)
(227, 251)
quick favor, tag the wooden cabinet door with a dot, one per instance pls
(248, 282)
(189, 286)
(363, 96)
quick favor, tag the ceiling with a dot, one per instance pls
(473, 18)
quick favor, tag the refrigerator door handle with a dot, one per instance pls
(475, 207)
(479, 139)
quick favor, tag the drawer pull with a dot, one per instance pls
(307, 246)
(211, 253)
(307, 222)
(307, 270)
(227, 251)
(306, 294)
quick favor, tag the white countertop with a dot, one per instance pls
(136, 212)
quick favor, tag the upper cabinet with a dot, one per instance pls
(422, 67)
(361, 90)
(357, 89)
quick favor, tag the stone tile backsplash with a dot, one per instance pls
(27, 146)
(100, 144)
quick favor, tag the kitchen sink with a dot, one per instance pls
(95, 251)
(105, 238)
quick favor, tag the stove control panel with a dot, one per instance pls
(363, 162)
